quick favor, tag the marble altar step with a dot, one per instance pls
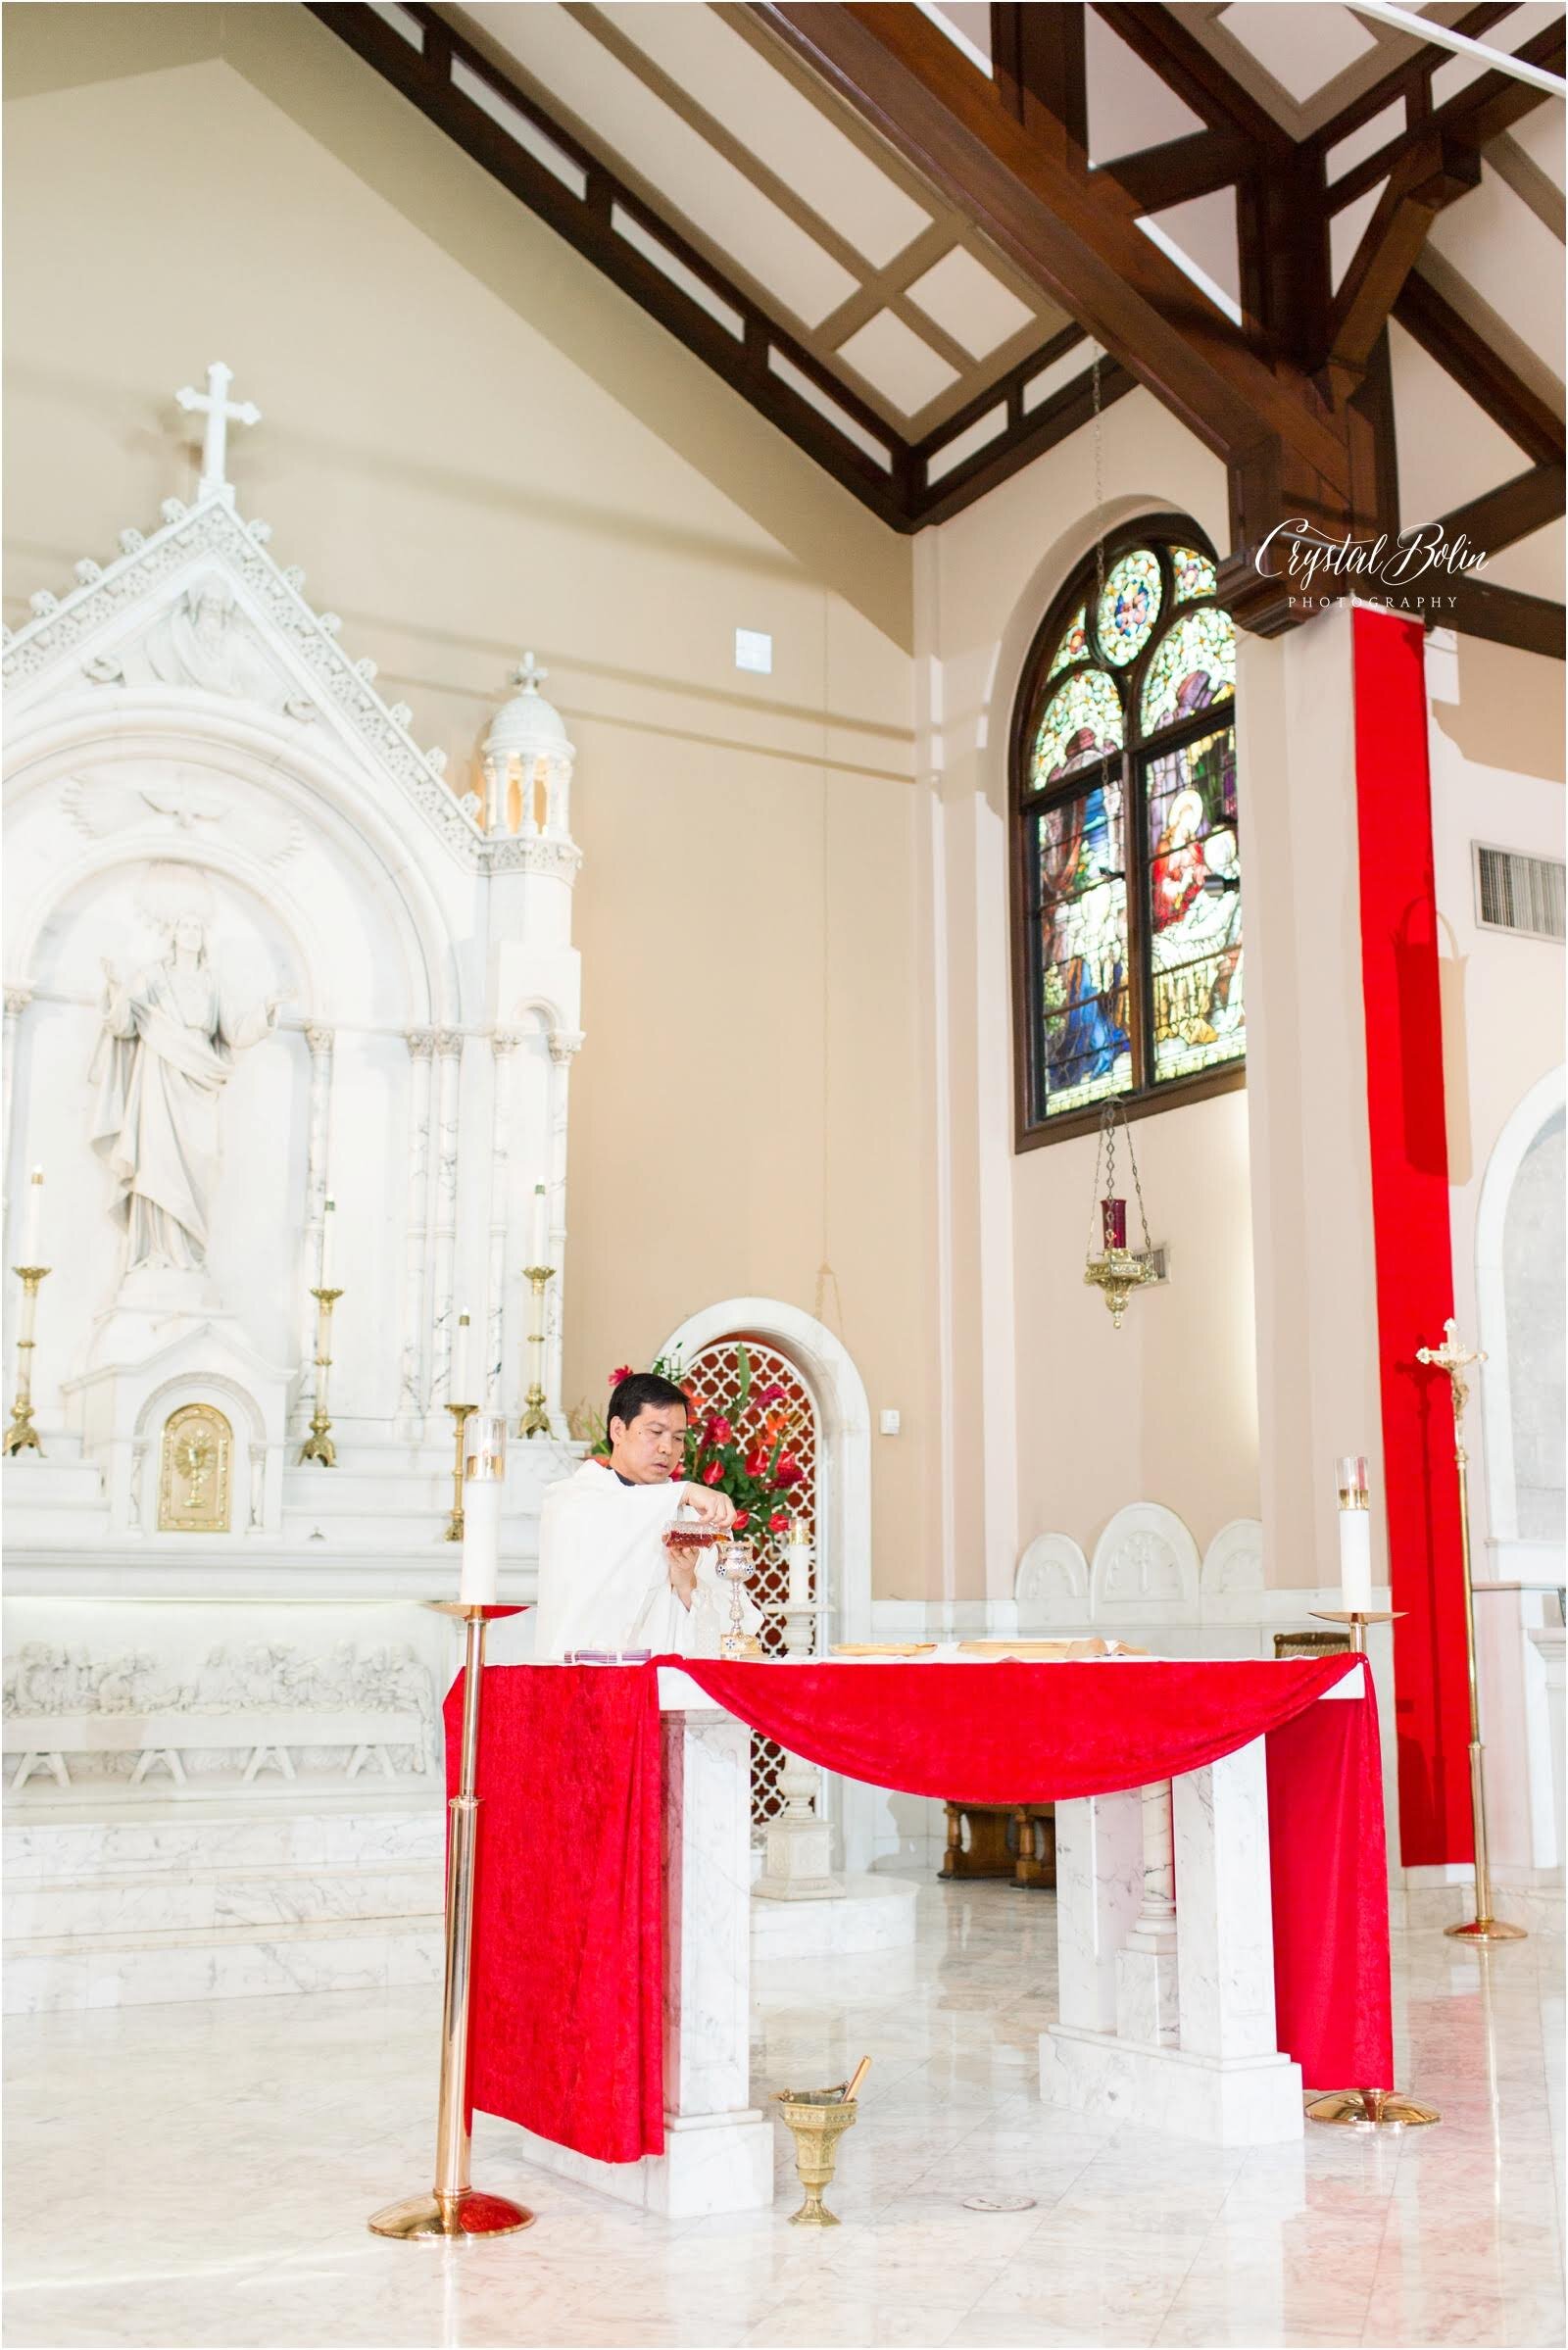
(220, 1902)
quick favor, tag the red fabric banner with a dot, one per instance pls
(1412, 1239)
(569, 1924)
(567, 1986)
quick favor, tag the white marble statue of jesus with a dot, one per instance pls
(609, 1581)
(163, 1060)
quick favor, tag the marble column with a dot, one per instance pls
(504, 1043)
(1100, 1860)
(415, 1326)
(1225, 1952)
(17, 1000)
(564, 1046)
(1146, 1965)
(444, 1319)
(320, 1041)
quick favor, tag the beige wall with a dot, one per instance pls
(471, 443)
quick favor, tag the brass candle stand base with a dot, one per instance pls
(535, 1420)
(818, 2118)
(456, 2209)
(21, 1436)
(318, 1446)
(1485, 1930)
(1371, 2109)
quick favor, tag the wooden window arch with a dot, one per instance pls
(1126, 841)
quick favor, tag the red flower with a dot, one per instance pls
(714, 1473)
(719, 1429)
(624, 1372)
(789, 1470)
(767, 1395)
(742, 1517)
(778, 1520)
(757, 1462)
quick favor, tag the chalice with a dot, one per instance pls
(735, 1565)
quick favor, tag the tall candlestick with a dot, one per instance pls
(328, 1221)
(1355, 1534)
(541, 1226)
(485, 1469)
(33, 1222)
(1113, 1223)
(462, 1363)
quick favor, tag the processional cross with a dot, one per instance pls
(220, 410)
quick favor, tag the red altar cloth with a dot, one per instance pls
(569, 1934)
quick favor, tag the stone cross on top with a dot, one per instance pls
(220, 410)
(528, 674)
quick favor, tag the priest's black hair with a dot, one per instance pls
(639, 1389)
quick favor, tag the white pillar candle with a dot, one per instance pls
(33, 1222)
(541, 1233)
(1355, 1536)
(463, 1363)
(328, 1220)
(798, 1559)
(484, 1464)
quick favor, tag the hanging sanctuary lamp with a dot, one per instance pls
(1116, 1271)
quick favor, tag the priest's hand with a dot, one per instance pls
(714, 1508)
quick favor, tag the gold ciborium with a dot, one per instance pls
(818, 2118)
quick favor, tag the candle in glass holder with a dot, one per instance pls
(33, 1222)
(463, 1363)
(541, 1234)
(1355, 1534)
(798, 1560)
(485, 1469)
(1113, 1223)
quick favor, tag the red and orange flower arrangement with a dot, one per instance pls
(736, 1440)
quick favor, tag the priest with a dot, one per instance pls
(608, 1580)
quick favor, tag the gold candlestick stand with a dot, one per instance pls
(455, 2208)
(319, 1444)
(1367, 2109)
(21, 1435)
(460, 1420)
(1455, 1360)
(535, 1419)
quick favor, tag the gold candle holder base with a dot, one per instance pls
(1485, 1930)
(1371, 2109)
(535, 1420)
(1359, 1619)
(421, 2218)
(21, 1436)
(817, 2119)
(318, 1446)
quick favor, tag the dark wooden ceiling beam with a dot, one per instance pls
(1508, 617)
(1077, 238)
(1488, 106)
(1180, 169)
(1501, 516)
(1476, 364)
(1160, 37)
(1408, 80)
(1037, 55)
(1432, 172)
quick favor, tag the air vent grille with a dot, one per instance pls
(1515, 892)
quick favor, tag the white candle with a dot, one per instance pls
(463, 1363)
(797, 1558)
(1355, 1536)
(33, 1222)
(484, 1473)
(541, 1234)
(328, 1220)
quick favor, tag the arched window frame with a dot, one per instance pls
(1034, 1126)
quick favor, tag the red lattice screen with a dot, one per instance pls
(713, 1368)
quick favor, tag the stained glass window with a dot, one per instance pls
(1195, 907)
(1080, 902)
(1194, 666)
(1130, 606)
(1073, 646)
(1083, 719)
(1129, 840)
(1191, 574)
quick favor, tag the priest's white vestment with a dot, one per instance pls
(604, 1572)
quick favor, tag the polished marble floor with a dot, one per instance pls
(199, 2175)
